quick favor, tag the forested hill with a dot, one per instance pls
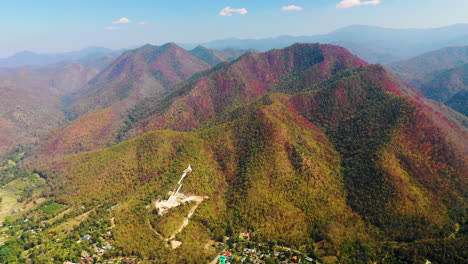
(144, 72)
(30, 104)
(306, 147)
(100, 108)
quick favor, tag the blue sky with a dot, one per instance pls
(65, 25)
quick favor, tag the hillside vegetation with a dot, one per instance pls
(102, 108)
(439, 75)
(144, 72)
(30, 104)
(307, 147)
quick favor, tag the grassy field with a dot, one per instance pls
(59, 216)
(9, 199)
(72, 223)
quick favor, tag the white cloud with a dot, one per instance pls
(292, 8)
(227, 11)
(123, 20)
(111, 28)
(353, 3)
(143, 23)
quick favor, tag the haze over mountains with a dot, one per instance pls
(373, 44)
(214, 57)
(144, 72)
(439, 75)
(30, 101)
(85, 56)
(308, 149)
(38, 95)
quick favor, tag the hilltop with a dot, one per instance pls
(144, 72)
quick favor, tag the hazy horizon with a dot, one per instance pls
(51, 52)
(56, 26)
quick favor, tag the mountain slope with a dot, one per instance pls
(145, 72)
(243, 179)
(212, 57)
(382, 137)
(102, 105)
(7, 135)
(446, 83)
(30, 99)
(459, 102)
(113, 121)
(430, 62)
(308, 147)
(439, 75)
(292, 70)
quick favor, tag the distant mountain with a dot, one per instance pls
(307, 147)
(27, 58)
(30, 101)
(99, 62)
(251, 76)
(430, 62)
(144, 72)
(373, 44)
(101, 106)
(439, 75)
(459, 101)
(232, 54)
(446, 83)
(210, 56)
(214, 57)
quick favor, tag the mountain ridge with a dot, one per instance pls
(374, 44)
(143, 72)
(309, 145)
(31, 59)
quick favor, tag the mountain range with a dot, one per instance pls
(35, 98)
(373, 44)
(296, 150)
(307, 147)
(100, 107)
(145, 72)
(30, 101)
(85, 56)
